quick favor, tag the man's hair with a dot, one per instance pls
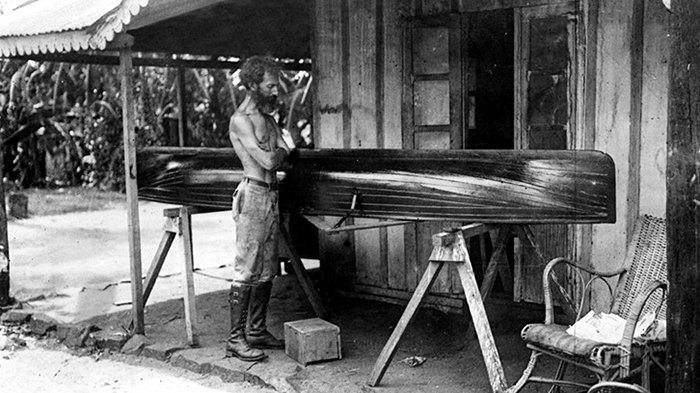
(253, 70)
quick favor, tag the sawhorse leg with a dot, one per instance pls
(169, 231)
(302, 275)
(497, 265)
(188, 276)
(178, 222)
(448, 247)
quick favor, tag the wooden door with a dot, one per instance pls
(545, 118)
(432, 119)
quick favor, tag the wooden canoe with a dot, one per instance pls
(490, 186)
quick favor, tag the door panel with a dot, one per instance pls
(545, 119)
(431, 53)
(431, 103)
(432, 119)
(433, 140)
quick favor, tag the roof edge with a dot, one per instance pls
(94, 37)
(114, 23)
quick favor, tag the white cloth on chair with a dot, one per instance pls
(609, 328)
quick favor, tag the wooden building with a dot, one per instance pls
(484, 74)
(438, 74)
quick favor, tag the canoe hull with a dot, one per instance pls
(498, 186)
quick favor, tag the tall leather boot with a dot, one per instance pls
(258, 336)
(236, 345)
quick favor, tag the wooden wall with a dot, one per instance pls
(631, 116)
(614, 132)
(358, 57)
(358, 63)
(657, 44)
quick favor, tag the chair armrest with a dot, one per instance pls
(635, 311)
(549, 273)
(613, 386)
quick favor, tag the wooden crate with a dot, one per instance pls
(312, 340)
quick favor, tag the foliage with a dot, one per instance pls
(61, 123)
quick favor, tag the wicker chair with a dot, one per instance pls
(641, 289)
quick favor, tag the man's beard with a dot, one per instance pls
(266, 104)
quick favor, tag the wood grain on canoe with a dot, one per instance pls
(495, 186)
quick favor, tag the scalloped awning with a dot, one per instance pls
(50, 26)
(235, 28)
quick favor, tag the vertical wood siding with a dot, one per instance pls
(358, 62)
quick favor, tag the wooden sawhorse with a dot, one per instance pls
(451, 247)
(179, 222)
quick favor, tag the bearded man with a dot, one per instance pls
(258, 142)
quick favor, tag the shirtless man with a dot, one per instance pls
(258, 143)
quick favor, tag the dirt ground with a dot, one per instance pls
(41, 367)
(74, 267)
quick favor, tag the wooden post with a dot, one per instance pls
(682, 203)
(4, 243)
(181, 107)
(132, 203)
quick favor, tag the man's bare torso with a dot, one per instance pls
(266, 133)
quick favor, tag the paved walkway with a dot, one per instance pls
(75, 266)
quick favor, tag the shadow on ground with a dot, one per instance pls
(454, 361)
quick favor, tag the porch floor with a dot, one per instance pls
(77, 274)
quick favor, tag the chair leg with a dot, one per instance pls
(646, 365)
(526, 374)
(561, 370)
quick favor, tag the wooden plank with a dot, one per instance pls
(636, 61)
(489, 5)
(683, 215)
(106, 59)
(390, 347)
(407, 93)
(370, 267)
(443, 281)
(497, 260)
(487, 343)
(552, 240)
(396, 260)
(302, 275)
(491, 186)
(157, 263)
(380, 48)
(392, 74)
(337, 259)
(132, 202)
(182, 131)
(456, 89)
(5, 299)
(363, 73)
(586, 109)
(329, 228)
(362, 77)
(410, 252)
(453, 304)
(452, 247)
(657, 44)
(188, 277)
(330, 97)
